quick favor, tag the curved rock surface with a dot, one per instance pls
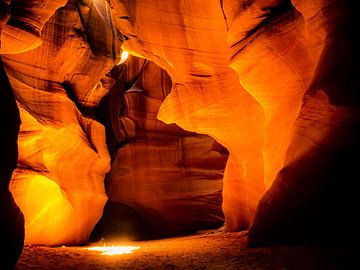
(273, 81)
(273, 49)
(21, 22)
(15, 36)
(188, 40)
(55, 185)
(171, 177)
(314, 195)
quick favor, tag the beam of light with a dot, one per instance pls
(124, 56)
(114, 250)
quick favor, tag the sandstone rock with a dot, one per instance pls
(274, 47)
(20, 32)
(163, 179)
(314, 195)
(188, 40)
(273, 81)
(274, 65)
(63, 155)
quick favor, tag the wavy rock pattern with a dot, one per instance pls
(189, 41)
(172, 177)
(277, 52)
(314, 194)
(20, 32)
(273, 81)
(55, 185)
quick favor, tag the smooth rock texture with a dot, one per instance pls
(274, 65)
(278, 51)
(63, 156)
(20, 31)
(273, 81)
(189, 40)
(315, 194)
(172, 178)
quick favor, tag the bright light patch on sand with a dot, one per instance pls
(114, 250)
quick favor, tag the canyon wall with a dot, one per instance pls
(63, 155)
(19, 31)
(11, 218)
(164, 181)
(188, 40)
(313, 197)
(272, 81)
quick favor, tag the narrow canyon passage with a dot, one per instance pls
(164, 181)
(225, 133)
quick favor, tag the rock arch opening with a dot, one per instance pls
(164, 181)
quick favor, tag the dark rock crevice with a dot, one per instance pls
(11, 218)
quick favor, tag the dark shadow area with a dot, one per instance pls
(11, 218)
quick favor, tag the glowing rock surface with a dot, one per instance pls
(63, 157)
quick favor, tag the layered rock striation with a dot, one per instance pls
(188, 40)
(266, 79)
(20, 26)
(63, 157)
(313, 197)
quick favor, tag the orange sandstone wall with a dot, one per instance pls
(63, 157)
(20, 32)
(314, 197)
(240, 71)
(273, 81)
(188, 40)
(171, 177)
(252, 74)
(20, 26)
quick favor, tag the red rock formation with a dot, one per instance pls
(20, 32)
(171, 177)
(274, 65)
(313, 198)
(189, 41)
(239, 69)
(274, 49)
(63, 156)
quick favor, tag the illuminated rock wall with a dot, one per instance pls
(188, 40)
(171, 177)
(240, 71)
(314, 197)
(63, 157)
(18, 32)
(273, 81)
(11, 218)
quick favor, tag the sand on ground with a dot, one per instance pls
(209, 250)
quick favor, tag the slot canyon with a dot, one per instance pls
(188, 134)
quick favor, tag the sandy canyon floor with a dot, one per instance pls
(209, 250)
